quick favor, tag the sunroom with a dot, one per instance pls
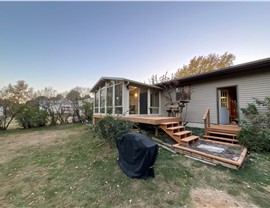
(119, 96)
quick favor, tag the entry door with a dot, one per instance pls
(223, 106)
(143, 103)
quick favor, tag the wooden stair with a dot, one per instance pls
(178, 133)
(222, 133)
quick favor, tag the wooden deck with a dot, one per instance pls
(153, 120)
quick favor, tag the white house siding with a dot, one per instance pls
(204, 94)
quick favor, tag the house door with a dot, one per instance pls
(143, 103)
(224, 106)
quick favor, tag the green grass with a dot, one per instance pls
(80, 170)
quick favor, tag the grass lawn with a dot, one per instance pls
(67, 166)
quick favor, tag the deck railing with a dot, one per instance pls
(206, 119)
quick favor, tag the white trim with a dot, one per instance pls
(99, 100)
(113, 103)
(139, 101)
(106, 86)
(159, 110)
(148, 101)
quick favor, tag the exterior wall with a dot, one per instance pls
(204, 94)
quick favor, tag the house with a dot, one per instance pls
(203, 100)
(225, 91)
(62, 105)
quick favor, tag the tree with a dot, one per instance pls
(49, 101)
(12, 99)
(86, 111)
(20, 93)
(168, 86)
(31, 116)
(74, 96)
(84, 92)
(48, 92)
(163, 78)
(9, 110)
(202, 64)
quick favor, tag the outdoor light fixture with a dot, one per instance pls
(136, 94)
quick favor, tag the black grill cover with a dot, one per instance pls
(137, 155)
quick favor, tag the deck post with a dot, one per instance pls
(156, 131)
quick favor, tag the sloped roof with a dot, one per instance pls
(102, 80)
(249, 67)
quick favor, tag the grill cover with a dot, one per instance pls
(137, 155)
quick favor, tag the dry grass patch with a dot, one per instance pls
(10, 144)
(217, 199)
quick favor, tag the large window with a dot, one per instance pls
(102, 100)
(154, 102)
(118, 99)
(110, 100)
(96, 101)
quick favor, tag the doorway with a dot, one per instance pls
(133, 100)
(138, 100)
(227, 105)
(143, 101)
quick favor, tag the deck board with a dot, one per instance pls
(153, 120)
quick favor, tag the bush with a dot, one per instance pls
(255, 132)
(111, 128)
(31, 116)
(87, 111)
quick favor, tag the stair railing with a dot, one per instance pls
(206, 119)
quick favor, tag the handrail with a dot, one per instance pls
(206, 119)
(206, 112)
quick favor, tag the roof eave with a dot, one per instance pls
(102, 79)
(240, 68)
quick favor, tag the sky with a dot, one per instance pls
(69, 44)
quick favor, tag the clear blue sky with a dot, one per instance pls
(68, 44)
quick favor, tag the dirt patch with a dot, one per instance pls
(213, 198)
(229, 152)
(12, 143)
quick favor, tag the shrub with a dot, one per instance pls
(111, 128)
(255, 132)
(87, 111)
(31, 116)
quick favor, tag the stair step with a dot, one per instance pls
(229, 131)
(181, 133)
(221, 133)
(169, 123)
(220, 138)
(190, 138)
(176, 127)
